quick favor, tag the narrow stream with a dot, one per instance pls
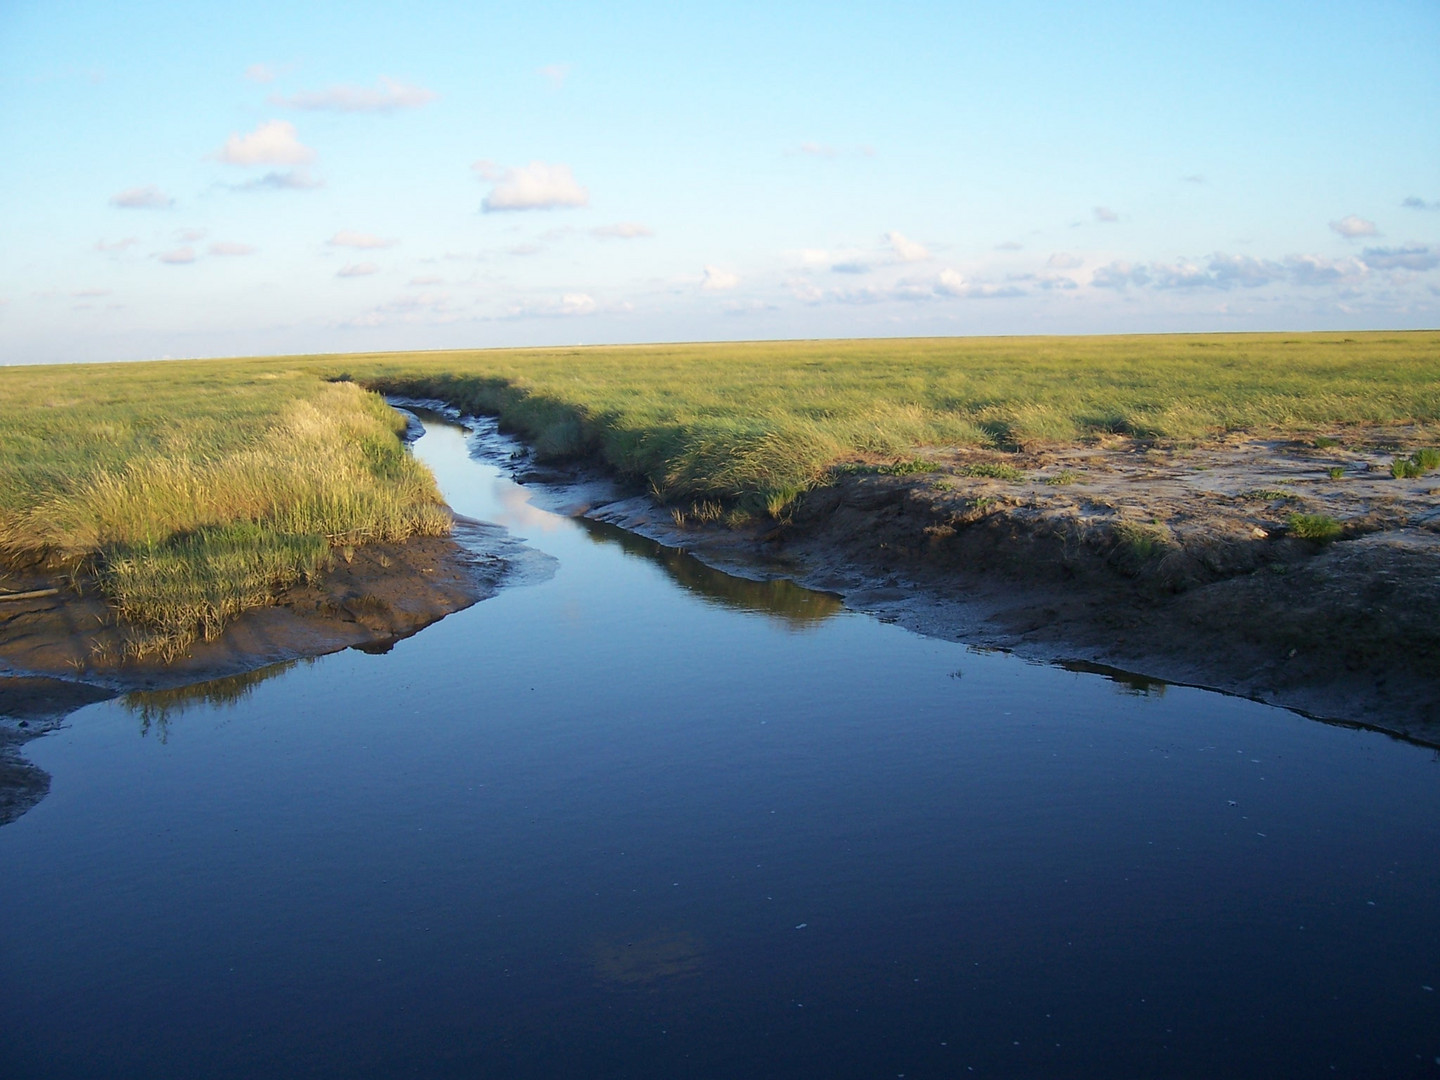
(640, 819)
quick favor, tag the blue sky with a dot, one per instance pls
(220, 179)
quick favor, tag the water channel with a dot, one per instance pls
(636, 818)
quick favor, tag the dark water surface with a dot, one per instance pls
(644, 820)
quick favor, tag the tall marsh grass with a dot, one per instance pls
(755, 423)
(199, 490)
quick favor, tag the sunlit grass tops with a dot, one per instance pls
(757, 422)
(199, 488)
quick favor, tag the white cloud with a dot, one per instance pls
(272, 143)
(536, 186)
(229, 247)
(364, 269)
(953, 283)
(178, 257)
(1414, 202)
(1318, 270)
(260, 73)
(424, 308)
(1416, 257)
(349, 239)
(577, 304)
(1222, 271)
(486, 169)
(1193, 178)
(1009, 245)
(624, 230)
(905, 249)
(1119, 275)
(289, 180)
(1063, 260)
(526, 248)
(813, 256)
(148, 197)
(814, 149)
(1105, 214)
(717, 280)
(386, 96)
(116, 245)
(1352, 226)
(555, 73)
(90, 294)
(851, 266)
(189, 236)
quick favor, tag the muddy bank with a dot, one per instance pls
(64, 649)
(1185, 565)
(371, 597)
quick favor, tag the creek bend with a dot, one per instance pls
(637, 818)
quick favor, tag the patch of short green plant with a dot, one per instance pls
(1416, 465)
(1325, 442)
(1321, 527)
(1144, 541)
(991, 470)
(1335, 472)
(1063, 477)
(1266, 495)
(903, 467)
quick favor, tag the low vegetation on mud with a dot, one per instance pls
(189, 492)
(754, 424)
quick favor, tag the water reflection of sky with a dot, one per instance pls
(612, 824)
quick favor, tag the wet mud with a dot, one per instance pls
(1181, 564)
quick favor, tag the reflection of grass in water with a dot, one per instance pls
(641, 961)
(798, 607)
(159, 707)
(1126, 682)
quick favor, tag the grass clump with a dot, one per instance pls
(1321, 527)
(903, 467)
(994, 472)
(1143, 542)
(1325, 442)
(1266, 495)
(1416, 465)
(1063, 477)
(1335, 472)
(200, 489)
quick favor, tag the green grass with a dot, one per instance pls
(759, 422)
(992, 471)
(1320, 527)
(198, 490)
(1266, 495)
(148, 469)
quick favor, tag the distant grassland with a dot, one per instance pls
(198, 488)
(757, 423)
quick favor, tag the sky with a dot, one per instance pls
(207, 179)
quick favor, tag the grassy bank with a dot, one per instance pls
(756, 423)
(196, 490)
